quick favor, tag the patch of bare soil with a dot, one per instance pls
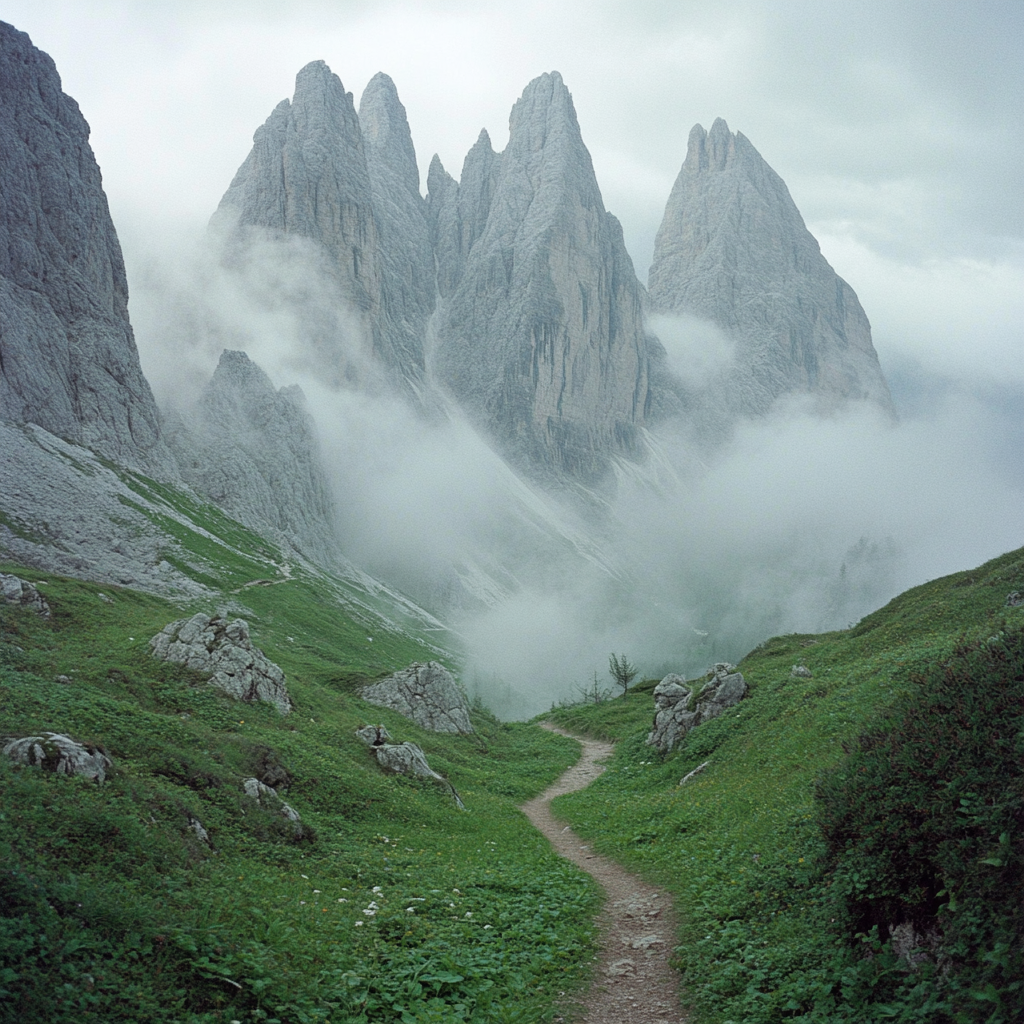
(633, 982)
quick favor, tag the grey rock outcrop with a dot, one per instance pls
(269, 799)
(403, 758)
(801, 672)
(680, 708)
(540, 333)
(733, 249)
(426, 694)
(254, 451)
(55, 752)
(223, 650)
(68, 360)
(15, 590)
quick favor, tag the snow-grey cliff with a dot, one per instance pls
(253, 450)
(733, 249)
(540, 333)
(68, 360)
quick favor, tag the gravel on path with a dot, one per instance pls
(633, 983)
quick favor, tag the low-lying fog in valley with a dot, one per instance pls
(801, 523)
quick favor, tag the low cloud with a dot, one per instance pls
(697, 350)
(801, 523)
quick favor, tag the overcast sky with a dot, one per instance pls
(897, 126)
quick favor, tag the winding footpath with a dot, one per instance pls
(633, 983)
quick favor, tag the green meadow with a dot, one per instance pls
(882, 793)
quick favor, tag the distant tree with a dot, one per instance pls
(621, 671)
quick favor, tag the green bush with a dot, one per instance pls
(924, 827)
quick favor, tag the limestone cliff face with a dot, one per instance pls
(254, 451)
(733, 249)
(68, 360)
(540, 334)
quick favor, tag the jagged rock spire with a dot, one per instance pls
(540, 336)
(733, 249)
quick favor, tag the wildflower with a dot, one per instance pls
(305, 877)
(316, 890)
(410, 910)
(343, 900)
(376, 888)
(486, 926)
(302, 903)
(359, 924)
(469, 913)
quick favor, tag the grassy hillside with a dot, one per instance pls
(388, 903)
(838, 811)
(829, 807)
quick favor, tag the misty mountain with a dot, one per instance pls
(511, 291)
(733, 250)
(254, 451)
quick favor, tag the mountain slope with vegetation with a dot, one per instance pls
(385, 903)
(854, 847)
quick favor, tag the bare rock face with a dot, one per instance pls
(733, 249)
(406, 256)
(540, 334)
(15, 590)
(58, 753)
(68, 360)
(427, 694)
(224, 651)
(678, 709)
(254, 451)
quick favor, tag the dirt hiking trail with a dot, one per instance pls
(633, 983)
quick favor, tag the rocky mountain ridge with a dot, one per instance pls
(509, 293)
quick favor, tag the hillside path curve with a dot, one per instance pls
(633, 983)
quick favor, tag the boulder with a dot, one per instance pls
(426, 694)
(403, 758)
(269, 799)
(15, 590)
(223, 650)
(801, 672)
(59, 753)
(678, 709)
(1014, 600)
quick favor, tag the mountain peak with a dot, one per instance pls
(733, 249)
(386, 133)
(543, 112)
